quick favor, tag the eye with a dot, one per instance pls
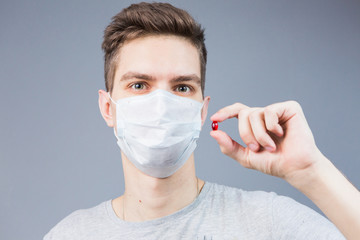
(138, 86)
(183, 89)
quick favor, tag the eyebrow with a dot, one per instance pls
(187, 78)
(131, 75)
(182, 78)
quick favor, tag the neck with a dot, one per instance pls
(147, 198)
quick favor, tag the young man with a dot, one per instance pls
(155, 60)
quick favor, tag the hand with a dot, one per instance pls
(278, 138)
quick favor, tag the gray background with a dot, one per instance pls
(56, 153)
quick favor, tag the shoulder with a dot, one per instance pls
(291, 218)
(237, 195)
(255, 201)
(76, 223)
(281, 215)
(239, 202)
(240, 211)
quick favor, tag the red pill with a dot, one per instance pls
(214, 125)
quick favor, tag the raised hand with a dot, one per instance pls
(278, 138)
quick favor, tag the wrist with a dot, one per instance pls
(314, 174)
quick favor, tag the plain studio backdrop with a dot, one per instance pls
(56, 153)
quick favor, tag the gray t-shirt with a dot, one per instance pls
(219, 212)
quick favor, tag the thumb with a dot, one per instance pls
(228, 146)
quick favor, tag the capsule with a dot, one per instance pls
(214, 125)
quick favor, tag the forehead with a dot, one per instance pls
(158, 56)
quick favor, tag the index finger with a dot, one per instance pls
(228, 112)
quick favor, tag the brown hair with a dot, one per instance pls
(143, 19)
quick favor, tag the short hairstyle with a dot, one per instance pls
(146, 19)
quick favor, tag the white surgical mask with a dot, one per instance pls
(158, 131)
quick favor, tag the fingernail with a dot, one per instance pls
(270, 149)
(253, 147)
(217, 115)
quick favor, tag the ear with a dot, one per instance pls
(204, 110)
(106, 108)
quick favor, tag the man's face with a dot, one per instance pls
(146, 64)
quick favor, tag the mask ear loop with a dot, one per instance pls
(116, 126)
(111, 98)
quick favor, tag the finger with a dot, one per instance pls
(286, 110)
(230, 147)
(245, 130)
(272, 122)
(228, 112)
(256, 119)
